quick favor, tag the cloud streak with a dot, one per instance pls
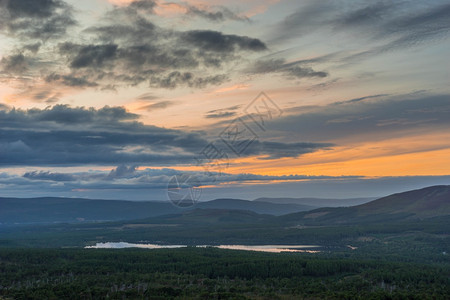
(366, 117)
(385, 26)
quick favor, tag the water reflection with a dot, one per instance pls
(263, 248)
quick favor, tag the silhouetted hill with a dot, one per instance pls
(256, 206)
(212, 216)
(424, 203)
(51, 210)
(317, 202)
(427, 202)
(70, 210)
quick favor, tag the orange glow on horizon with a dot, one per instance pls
(385, 158)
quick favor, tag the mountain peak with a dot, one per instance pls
(426, 202)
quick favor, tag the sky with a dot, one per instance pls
(119, 99)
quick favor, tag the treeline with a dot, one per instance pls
(80, 235)
(210, 273)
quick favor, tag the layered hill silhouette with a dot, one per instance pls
(74, 210)
(318, 202)
(417, 204)
(424, 203)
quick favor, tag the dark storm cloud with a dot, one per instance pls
(134, 30)
(151, 184)
(63, 135)
(66, 138)
(122, 171)
(140, 51)
(32, 8)
(129, 177)
(41, 175)
(370, 117)
(146, 6)
(274, 150)
(218, 42)
(64, 114)
(175, 79)
(124, 48)
(39, 19)
(221, 14)
(93, 56)
(130, 49)
(295, 69)
(70, 80)
(33, 48)
(22, 65)
(14, 64)
(215, 13)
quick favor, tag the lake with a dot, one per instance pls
(263, 248)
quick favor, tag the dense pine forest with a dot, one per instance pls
(209, 273)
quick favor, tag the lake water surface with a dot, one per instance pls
(263, 248)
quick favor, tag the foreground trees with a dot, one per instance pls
(200, 273)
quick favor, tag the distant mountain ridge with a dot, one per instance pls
(318, 202)
(73, 210)
(428, 202)
(260, 207)
(424, 203)
(69, 210)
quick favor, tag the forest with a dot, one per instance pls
(209, 273)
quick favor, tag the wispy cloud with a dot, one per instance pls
(157, 105)
(295, 70)
(384, 26)
(223, 113)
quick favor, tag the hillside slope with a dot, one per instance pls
(317, 202)
(423, 203)
(259, 207)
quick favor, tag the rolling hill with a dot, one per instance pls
(422, 214)
(74, 210)
(69, 210)
(260, 207)
(317, 202)
(201, 216)
(424, 203)
(417, 204)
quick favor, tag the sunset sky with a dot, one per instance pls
(112, 98)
